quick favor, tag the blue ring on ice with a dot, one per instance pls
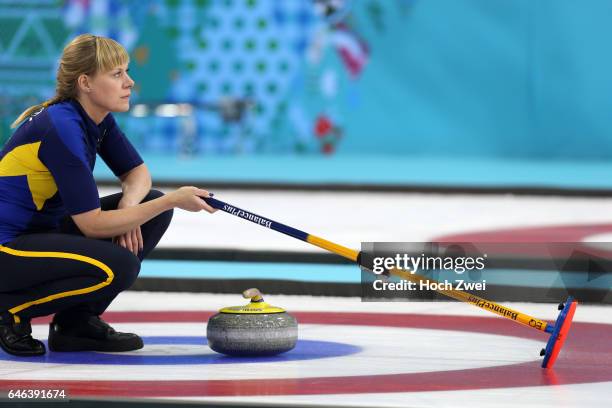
(304, 350)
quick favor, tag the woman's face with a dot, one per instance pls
(111, 90)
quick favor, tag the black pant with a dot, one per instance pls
(68, 274)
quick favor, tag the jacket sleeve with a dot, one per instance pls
(116, 150)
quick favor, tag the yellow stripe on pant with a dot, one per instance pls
(65, 255)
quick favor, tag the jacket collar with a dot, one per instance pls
(94, 132)
(88, 120)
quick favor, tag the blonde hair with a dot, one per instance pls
(86, 54)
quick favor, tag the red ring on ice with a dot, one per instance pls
(586, 358)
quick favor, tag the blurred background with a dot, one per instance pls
(487, 79)
(371, 120)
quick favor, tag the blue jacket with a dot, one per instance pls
(46, 167)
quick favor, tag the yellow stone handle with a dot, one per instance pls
(254, 294)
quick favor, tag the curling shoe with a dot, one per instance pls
(93, 334)
(16, 336)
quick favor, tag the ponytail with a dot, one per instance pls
(33, 109)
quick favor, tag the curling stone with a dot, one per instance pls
(255, 329)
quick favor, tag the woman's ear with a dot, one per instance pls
(83, 83)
